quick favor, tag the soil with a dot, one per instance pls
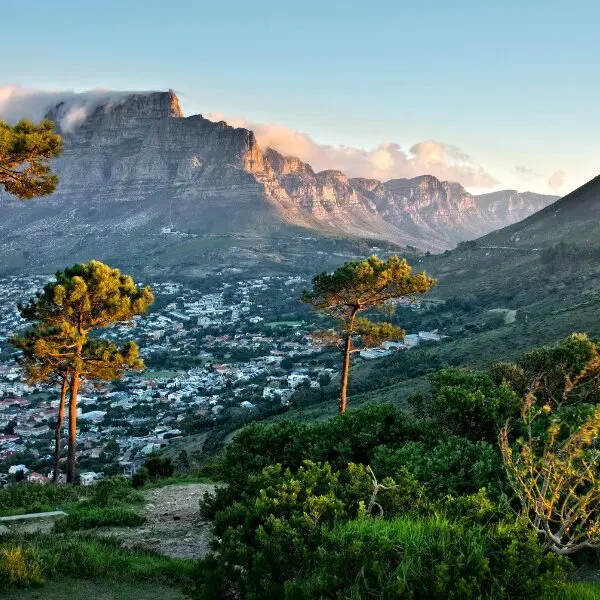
(173, 524)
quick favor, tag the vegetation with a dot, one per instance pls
(58, 347)
(155, 468)
(37, 558)
(381, 503)
(554, 473)
(356, 287)
(99, 517)
(25, 150)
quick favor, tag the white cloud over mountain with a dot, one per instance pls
(386, 161)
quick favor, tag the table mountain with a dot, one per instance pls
(141, 183)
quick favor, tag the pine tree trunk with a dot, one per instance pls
(345, 368)
(72, 427)
(59, 424)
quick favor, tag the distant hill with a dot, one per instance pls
(573, 219)
(143, 186)
(553, 293)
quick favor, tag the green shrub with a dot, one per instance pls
(454, 466)
(433, 559)
(99, 517)
(139, 479)
(338, 441)
(159, 466)
(469, 404)
(114, 490)
(25, 498)
(19, 567)
(273, 530)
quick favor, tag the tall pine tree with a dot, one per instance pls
(85, 298)
(358, 286)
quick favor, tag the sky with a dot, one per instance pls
(492, 94)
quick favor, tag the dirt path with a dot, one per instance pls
(173, 524)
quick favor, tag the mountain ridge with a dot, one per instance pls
(136, 170)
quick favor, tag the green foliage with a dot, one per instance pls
(99, 517)
(579, 591)
(159, 466)
(553, 370)
(65, 555)
(338, 441)
(25, 152)
(454, 466)
(139, 478)
(468, 404)
(364, 284)
(19, 567)
(31, 498)
(113, 490)
(434, 558)
(271, 532)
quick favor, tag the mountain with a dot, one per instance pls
(141, 184)
(529, 284)
(574, 219)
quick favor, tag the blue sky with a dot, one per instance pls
(511, 84)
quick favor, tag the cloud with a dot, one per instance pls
(386, 161)
(557, 180)
(526, 173)
(17, 102)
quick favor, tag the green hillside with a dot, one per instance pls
(544, 268)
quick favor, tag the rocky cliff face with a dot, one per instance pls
(139, 179)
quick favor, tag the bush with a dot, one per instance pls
(114, 490)
(99, 517)
(25, 498)
(139, 478)
(338, 441)
(19, 566)
(158, 466)
(433, 559)
(468, 404)
(273, 529)
(454, 466)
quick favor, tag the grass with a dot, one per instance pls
(283, 323)
(27, 498)
(162, 374)
(183, 479)
(579, 591)
(61, 555)
(72, 589)
(99, 517)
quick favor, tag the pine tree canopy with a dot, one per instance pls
(88, 296)
(360, 285)
(25, 152)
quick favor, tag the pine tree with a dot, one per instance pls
(358, 286)
(84, 298)
(25, 150)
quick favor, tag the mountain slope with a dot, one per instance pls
(507, 270)
(140, 184)
(574, 219)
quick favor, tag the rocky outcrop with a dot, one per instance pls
(136, 173)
